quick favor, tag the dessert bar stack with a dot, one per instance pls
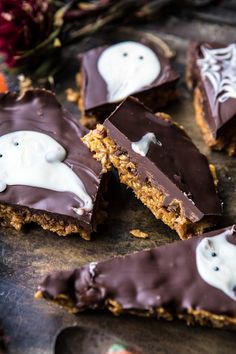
(54, 172)
(193, 279)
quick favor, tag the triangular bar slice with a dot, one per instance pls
(157, 159)
(193, 280)
(47, 175)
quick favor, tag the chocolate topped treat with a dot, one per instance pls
(47, 175)
(157, 159)
(192, 280)
(111, 73)
(212, 72)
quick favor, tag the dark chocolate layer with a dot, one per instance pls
(166, 277)
(95, 89)
(174, 165)
(220, 116)
(39, 110)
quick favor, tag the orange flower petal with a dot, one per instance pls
(3, 84)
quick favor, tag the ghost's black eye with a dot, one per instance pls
(141, 57)
(216, 269)
(125, 54)
(16, 143)
(213, 254)
(0, 155)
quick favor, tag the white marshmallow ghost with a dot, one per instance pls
(35, 159)
(216, 263)
(141, 147)
(126, 68)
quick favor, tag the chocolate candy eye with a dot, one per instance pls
(213, 254)
(125, 54)
(0, 155)
(141, 57)
(16, 143)
(216, 269)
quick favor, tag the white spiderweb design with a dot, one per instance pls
(219, 66)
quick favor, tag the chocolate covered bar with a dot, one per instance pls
(193, 280)
(156, 158)
(111, 73)
(47, 175)
(211, 73)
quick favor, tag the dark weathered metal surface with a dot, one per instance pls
(27, 256)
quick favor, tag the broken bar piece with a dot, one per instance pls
(211, 72)
(193, 280)
(47, 175)
(160, 163)
(111, 73)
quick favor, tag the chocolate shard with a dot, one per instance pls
(157, 159)
(111, 73)
(47, 175)
(192, 280)
(211, 72)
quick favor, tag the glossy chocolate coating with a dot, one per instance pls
(95, 90)
(220, 116)
(166, 277)
(175, 166)
(39, 110)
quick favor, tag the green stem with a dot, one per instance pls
(42, 45)
(113, 13)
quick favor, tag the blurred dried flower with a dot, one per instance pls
(33, 33)
(23, 25)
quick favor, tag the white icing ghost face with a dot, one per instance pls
(142, 146)
(216, 263)
(126, 68)
(35, 159)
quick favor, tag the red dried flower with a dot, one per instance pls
(23, 25)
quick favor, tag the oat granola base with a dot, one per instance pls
(191, 316)
(224, 143)
(17, 218)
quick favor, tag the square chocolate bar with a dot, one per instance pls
(47, 175)
(109, 74)
(159, 162)
(211, 72)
